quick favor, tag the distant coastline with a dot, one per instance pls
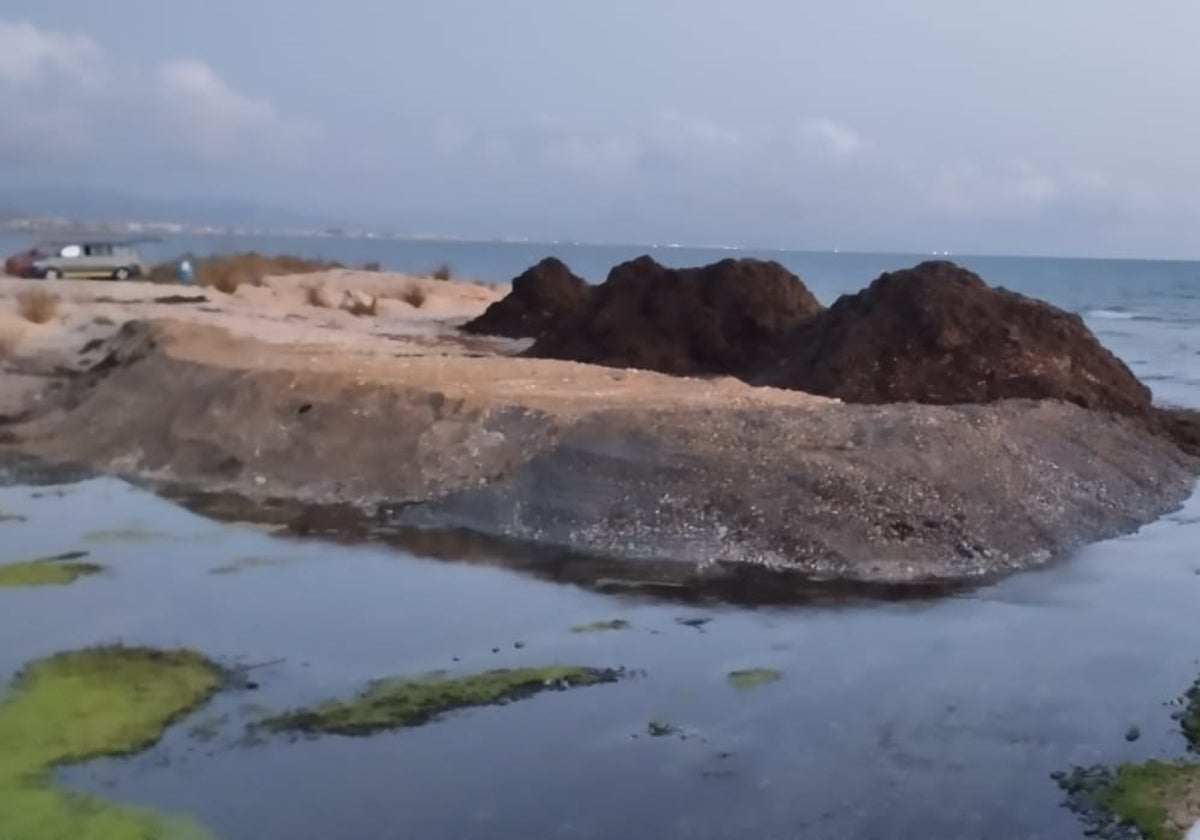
(49, 226)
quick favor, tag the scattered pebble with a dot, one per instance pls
(660, 729)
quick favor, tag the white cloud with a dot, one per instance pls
(63, 92)
(208, 116)
(666, 141)
(835, 139)
(965, 187)
(29, 56)
(449, 137)
(674, 128)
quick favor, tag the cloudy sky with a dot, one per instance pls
(1070, 127)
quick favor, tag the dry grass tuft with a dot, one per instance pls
(167, 272)
(226, 273)
(360, 306)
(228, 280)
(9, 339)
(414, 296)
(314, 295)
(37, 305)
(442, 272)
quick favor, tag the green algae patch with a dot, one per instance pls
(754, 678)
(602, 626)
(38, 812)
(49, 572)
(73, 707)
(1191, 716)
(397, 703)
(243, 564)
(208, 729)
(124, 535)
(1155, 797)
(1161, 799)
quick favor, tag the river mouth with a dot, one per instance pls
(912, 718)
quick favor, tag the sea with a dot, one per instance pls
(938, 718)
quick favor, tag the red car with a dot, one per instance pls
(21, 263)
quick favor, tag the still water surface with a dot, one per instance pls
(914, 720)
(894, 721)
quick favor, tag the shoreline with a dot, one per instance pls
(704, 483)
(651, 471)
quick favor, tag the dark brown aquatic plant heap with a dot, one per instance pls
(541, 298)
(729, 318)
(1182, 425)
(936, 333)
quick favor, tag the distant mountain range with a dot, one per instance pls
(93, 205)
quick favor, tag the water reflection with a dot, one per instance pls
(666, 580)
(902, 719)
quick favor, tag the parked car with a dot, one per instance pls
(88, 258)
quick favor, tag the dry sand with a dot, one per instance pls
(275, 326)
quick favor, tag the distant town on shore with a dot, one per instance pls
(52, 225)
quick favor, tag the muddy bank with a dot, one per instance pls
(648, 470)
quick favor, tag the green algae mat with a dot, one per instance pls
(1159, 798)
(1155, 797)
(392, 704)
(753, 678)
(51, 571)
(602, 626)
(74, 707)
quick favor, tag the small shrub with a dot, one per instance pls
(226, 273)
(167, 272)
(9, 339)
(37, 305)
(315, 296)
(414, 296)
(228, 279)
(360, 306)
(442, 272)
(372, 266)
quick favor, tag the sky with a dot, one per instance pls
(1013, 127)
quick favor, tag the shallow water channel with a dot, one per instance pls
(918, 719)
